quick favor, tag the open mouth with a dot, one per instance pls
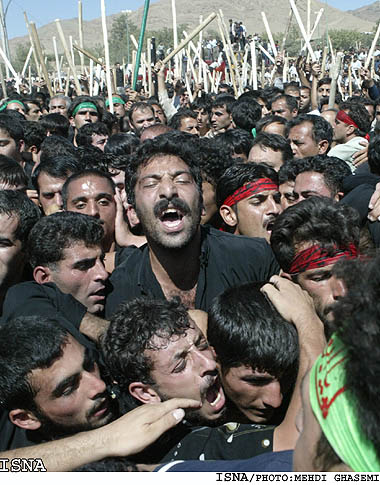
(215, 396)
(171, 218)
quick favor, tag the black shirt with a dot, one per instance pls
(225, 261)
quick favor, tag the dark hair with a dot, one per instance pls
(324, 80)
(224, 100)
(239, 174)
(175, 121)
(132, 330)
(56, 145)
(139, 106)
(34, 134)
(213, 158)
(245, 329)
(320, 128)
(55, 124)
(12, 126)
(85, 173)
(356, 319)
(174, 143)
(287, 172)
(202, 103)
(59, 231)
(359, 114)
(85, 132)
(374, 155)
(269, 119)
(26, 344)
(317, 220)
(234, 141)
(246, 113)
(11, 172)
(122, 144)
(333, 169)
(16, 203)
(59, 167)
(275, 142)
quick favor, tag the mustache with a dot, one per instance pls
(175, 203)
(101, 402)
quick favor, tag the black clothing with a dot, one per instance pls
(225, 261)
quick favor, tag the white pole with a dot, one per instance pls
(269, 34)
(107, 54)
(302, 29)
(27, 61)
(57, 63)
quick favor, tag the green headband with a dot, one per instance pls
(84, 105)
(13, 101)
(335, 409)
(115, 99)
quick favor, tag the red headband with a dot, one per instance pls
(249, 189)
(316, 257)
(344, 118)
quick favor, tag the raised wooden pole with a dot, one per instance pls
(80, 28)
(57, 63)
(269, 34)
(37, 45)
(254, 64)
(107, 55)
(373, 45)
(87, 54)
(175, 39)
(303, 32)
(68, 56)
(26, 61)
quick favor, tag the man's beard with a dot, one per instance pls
(52, 430)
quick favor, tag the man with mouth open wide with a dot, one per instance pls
(181, 257)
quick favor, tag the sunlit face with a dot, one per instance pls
(34, 113)
(302, 142)
(12, 257)
(94, 196)
(185, 366)
(84, 115)
(341, 131)
(118, 110)
(220, 119)
(287, 194)
(262, 154)
(142, 118)
(203, 121)
(256, 394)
(189, 125)
(280, 108)
(159, 114)
(50, 193)
(168, 202)
(81, 273)
(304, 100)
(323, 91)
(256, 214)
(99, 141)
(312, 184)
(70, 393)
(59, 106)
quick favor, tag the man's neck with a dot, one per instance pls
(177, 269)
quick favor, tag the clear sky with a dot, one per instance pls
(44, 11)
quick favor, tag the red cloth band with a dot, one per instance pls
(316, 257)
(249, 189)
(344, 118)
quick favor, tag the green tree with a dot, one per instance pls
(18, 60)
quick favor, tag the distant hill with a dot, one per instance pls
(371, 12)
(188, 13)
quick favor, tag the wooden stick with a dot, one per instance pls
(332, 51)
(175, 38)
(32, 44)
(71, 48)
(3, 84)
(149, 62)
(87, 54)
(26, 61)
(91, 77)
(205, 79)
(254, 64)
(286, 33)
(68, 56)
(80, 28)
(98, 74)
(37, 44)
(191, 36)
(188, 88)
(227, 55)
(373, 45)
(267, 54)
(314, 27)
(334, 74)
(57, 63)
(67, 82)
(134, 41)
(107, 55)
(302, 29)
(134, 53)
(269, 34)
(262, 73)
(285, 70)
(350, 79)
(324, 57)
(191, 64)
(308, 19)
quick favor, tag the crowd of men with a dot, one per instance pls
(192, 281)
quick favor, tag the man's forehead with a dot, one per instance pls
(89, 183)
(162, 159)
(8, 224)
(78, 250)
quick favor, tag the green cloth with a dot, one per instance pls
(115, 99)
(335, 409)
(12, 101)
(83, 106)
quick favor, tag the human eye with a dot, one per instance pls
(183, 179)
(104, 202)
(80, 205)
(148, 183)
(320, 277)
(181, 366)
(203, 344)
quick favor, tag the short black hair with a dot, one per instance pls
(12, 126)
(246, 113)
(59, 167)
(359, 114)
(85, 132)
(122, 144)
(374, 155)
(224, 100)
(34, 134)
(291, 101)
(11, 173)
(320, 128)
(56, 145)
(234, 141)
(267, 120)
(26, 344)
(275, 142)
(54, 233)
(55, 124)
(176, 119)
(317, 220)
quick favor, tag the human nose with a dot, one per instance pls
(272, 396)
(92, 209)
(206, 361)
(95, 384)
(100, 273)
(168, 188)
(273, 207)
(58, 200)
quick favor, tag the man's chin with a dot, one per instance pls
(195, 417)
